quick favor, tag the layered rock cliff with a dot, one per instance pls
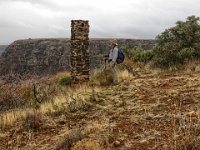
(2, 48)
(41, 56)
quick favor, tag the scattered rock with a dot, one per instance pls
(176, 136)
(62, 122)
(158, 117)
(32, 147)
(117, 143)
(137, 136)
(157, 134)
(128, 145)
(111, 139)
(146, 133)
(149, 116)
(192, 114)
(160, 104)
(144, 141)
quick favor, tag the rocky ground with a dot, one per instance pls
(153, 111)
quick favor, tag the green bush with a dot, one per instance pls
(143, 56)
(186, 53)
(178, 43)
(131, 52)
(137, 54)
(64, 81)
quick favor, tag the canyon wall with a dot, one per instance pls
(41, 56)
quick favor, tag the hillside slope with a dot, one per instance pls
(150, 111)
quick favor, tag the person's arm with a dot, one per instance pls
(115, 55)
(110, 55)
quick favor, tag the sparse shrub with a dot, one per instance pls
(28, 93)
(33, 121)
(65, 81)
(36, 121)
(19, 97)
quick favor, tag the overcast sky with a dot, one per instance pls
(144, 19)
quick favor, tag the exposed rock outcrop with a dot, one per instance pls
(41, 56)
(2, 48)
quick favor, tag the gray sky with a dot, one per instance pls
(21, 19)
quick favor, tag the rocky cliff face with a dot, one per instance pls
(41, 56)
(2, 48)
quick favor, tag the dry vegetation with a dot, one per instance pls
(147, 110)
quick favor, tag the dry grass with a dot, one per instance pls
(73, 100)
(87, 144)
(124, 75)
(63, 104)
(158, 110)
(101, 77)
(23, 95)
(67, 141)
(30, 92)
(53, 106)
(75, 136)
(36, 121)
(15, 96)
(9, 118)
(104, 77)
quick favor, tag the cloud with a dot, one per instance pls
(108, 18)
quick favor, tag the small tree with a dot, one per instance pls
(178, 43)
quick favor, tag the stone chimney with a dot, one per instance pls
(80, 56)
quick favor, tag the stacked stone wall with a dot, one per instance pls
(80, 54)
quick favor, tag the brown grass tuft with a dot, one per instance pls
(9, 118)
(87, 144)
(34, 121)
(79, 134)
(101, 77)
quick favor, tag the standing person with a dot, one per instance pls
(113, 60)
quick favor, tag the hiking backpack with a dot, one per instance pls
(120, 57)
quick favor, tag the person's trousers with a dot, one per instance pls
(114, 74)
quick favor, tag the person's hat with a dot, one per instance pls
(113, 42)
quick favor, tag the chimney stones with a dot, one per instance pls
(80, 56)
